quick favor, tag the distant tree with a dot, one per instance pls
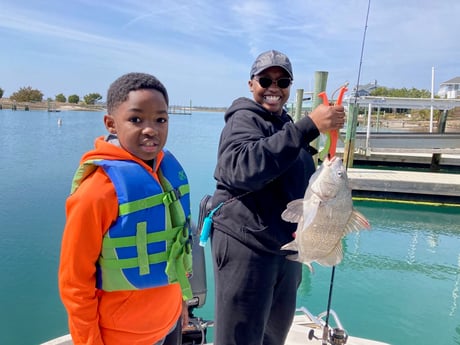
(60, 98)
(407, 93)
(27, 94)
(92, 98)
(74, 99)
(1, 92)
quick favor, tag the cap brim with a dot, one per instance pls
(275, 65)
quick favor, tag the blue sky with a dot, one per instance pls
(202, 50)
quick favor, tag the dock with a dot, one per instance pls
(407, 150)
(422, 160)
(180, 109)
(409, 167)
(408, 186)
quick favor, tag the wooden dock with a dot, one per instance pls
(382, 162)
(180, 110)
(422, 160)
(409, 186)
(431, 151)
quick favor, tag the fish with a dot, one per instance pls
(325, 216)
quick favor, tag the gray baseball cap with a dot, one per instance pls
(269, 59)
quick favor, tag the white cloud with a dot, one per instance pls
(203, 49)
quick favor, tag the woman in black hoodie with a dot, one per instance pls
(264, 162)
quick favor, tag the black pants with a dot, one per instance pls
(255, 294)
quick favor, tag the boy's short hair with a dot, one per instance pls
(120, 88)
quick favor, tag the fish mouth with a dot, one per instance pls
(331, 160)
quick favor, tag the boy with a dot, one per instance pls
(125, 254)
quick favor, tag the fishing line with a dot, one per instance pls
(331, 284)
(355, 102)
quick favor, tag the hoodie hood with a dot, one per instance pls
(109, 148)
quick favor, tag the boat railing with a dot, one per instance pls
(335, 336)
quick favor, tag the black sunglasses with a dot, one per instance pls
(282, 83)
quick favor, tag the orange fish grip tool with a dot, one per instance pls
(330, 147)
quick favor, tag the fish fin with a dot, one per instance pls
(291, 246)
(334, 257)
(356, 222)
(313, 210)
(293, 212)
(293, 257)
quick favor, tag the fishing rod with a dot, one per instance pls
(352, 126)
(341, 339)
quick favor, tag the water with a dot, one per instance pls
(398, 283)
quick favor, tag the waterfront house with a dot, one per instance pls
(365, 90)
(450, 88)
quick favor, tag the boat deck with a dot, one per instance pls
(303, 325)
(301, 328)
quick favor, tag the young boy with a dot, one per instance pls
(125, 254)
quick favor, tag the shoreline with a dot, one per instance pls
(452, 125)
(53, 106)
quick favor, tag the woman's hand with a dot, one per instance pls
(328, 118)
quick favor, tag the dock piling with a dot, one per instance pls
(320, 86)
(298, 105)
(436, 157)
(352, 124)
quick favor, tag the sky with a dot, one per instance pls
(202, 50)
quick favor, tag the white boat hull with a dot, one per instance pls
(306, 329)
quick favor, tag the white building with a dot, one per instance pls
(450, 88)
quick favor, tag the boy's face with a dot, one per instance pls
(140, 123)
(273, 97)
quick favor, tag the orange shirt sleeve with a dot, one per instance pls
(89, 213)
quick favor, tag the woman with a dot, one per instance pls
(264, 162)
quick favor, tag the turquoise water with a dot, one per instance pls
(398, 283)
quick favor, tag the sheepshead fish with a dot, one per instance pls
(324, 216)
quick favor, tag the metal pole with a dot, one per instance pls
(432, 98)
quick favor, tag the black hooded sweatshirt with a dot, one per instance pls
(264, 162)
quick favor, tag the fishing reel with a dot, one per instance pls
(338, 336)
(335, 336)
(196, 331)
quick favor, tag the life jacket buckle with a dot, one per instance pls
(171, 196)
